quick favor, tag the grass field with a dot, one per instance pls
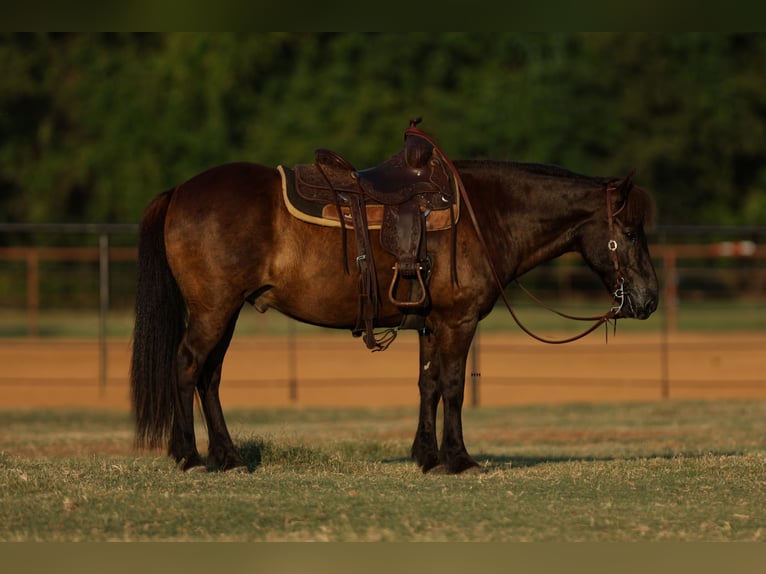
(596, 469)
(579, 472)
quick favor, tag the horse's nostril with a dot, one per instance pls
(650, 306)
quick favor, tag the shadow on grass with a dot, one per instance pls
(490, 462)
(252, 453)
(494, 462)
(258, 452)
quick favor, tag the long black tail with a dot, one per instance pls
(159, 326)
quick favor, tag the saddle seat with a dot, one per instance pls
(409, 174)
(401, 197)
(393, 182)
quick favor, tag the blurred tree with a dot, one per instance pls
(94, 125)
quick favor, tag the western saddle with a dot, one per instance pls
(399, 197)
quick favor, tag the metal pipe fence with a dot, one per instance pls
(719, 273)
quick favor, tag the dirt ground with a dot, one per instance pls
(337, 370)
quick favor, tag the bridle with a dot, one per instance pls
(619, 279)
(618, 294)
(619, 286)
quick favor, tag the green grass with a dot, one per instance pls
(629, 472)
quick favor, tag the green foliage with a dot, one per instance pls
(94, 125)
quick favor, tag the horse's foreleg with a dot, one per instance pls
(453, 455)
(221, 448)
(424, 448)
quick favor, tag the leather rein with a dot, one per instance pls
(618, 294)
(619, 286)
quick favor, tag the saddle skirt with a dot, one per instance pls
(326, 214)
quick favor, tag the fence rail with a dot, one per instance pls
(686, 257)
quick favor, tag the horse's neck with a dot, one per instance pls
(532, 221)
(538, 239)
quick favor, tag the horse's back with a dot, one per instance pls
(230, 196)
(232, 180)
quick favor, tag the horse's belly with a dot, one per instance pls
(329, 304)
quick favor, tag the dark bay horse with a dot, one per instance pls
(225, 238)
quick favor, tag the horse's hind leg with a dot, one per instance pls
(202, 336)
(221, 449)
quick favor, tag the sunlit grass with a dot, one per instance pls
(632, 472)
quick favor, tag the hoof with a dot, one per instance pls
(237, 470)
(197, 469)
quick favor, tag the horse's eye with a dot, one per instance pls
(631, 235)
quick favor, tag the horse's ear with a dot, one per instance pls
(624, 187)
(640, 210)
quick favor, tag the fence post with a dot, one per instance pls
(292, 361)
(475, 370)
(669, 314)
(103, 270)
(671, 287)
(33, 293)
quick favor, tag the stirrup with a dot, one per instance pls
(392, 287)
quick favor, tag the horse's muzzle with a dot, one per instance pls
(638, 306)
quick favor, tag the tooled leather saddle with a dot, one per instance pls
(406, 195)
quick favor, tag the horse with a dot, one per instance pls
(225, 238)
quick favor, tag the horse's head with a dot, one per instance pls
(613, 243)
